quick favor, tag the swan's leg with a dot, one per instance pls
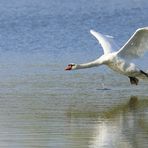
(146, 74)
(134, 80)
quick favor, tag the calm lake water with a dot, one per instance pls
(42, 106)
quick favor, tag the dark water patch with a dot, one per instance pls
(104, 89)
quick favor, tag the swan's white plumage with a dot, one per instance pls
(107, 48)
(136, 45)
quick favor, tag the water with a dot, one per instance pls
(44, 106)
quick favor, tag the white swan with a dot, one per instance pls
(120, 61)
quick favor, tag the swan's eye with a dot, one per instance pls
(71, 65)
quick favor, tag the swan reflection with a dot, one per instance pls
(125, 128)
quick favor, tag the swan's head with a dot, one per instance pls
(71, 66)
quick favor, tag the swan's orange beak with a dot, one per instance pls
(69, 67)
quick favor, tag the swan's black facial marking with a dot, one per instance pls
(69, 67)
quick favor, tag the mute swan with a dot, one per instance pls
(120, 61)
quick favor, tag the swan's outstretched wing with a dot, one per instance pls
(136, 46)
(103, 40)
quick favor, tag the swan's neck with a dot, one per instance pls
(88, 65)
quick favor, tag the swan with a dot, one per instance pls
(121, 60)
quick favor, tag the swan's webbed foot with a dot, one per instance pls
(133, 80)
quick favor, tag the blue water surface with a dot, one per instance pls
(44, 106)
